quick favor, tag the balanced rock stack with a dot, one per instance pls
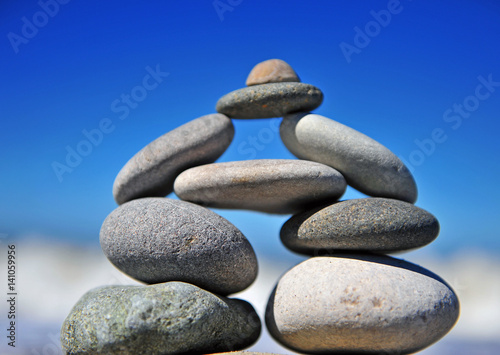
(190, 256)
(347, 298)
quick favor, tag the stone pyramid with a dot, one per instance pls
(349, 297)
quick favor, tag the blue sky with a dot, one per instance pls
(406, 80)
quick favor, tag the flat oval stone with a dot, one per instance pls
(169, 318)
(272, 71)
(158, 239)
(270, 100)
(267, 185)
(367, 165)
(367, 224)
(360, 304)
(152, 171)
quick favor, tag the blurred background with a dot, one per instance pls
(420, 77)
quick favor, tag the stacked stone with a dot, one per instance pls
(190, 257)
(354, 299)
(348, 298)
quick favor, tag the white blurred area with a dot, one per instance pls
(52, 277)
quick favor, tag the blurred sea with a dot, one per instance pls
(53, 276)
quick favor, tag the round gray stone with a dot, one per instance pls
(367, 224)
(270, 100)
(169, 318)
(158, 239)
(366, 164)
(152, 171)
(360, 304)
(267, 185)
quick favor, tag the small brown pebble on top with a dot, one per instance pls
(272, 71)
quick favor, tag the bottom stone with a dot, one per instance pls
(168, 318)
(360, 304)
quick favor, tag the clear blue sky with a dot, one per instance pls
(411, 77)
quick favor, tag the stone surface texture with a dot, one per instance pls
(272, 71)
(367, 224)
(367, 165)
(152, 171)
(267, 185)
(158, 239)
(169, 318)
(270, 100)
(357, 304)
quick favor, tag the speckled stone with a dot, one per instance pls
(268, 185)
(169, 318)
(158, 239)
(152, 171)
(366, 164)
(270, 100)
(272, 71)
(367, 224)
(360, 304)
